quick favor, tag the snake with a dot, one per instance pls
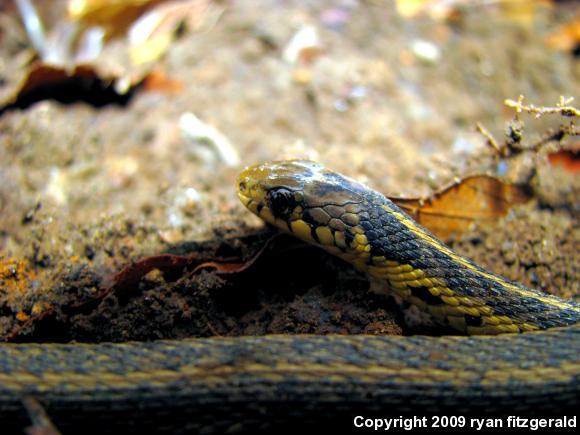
(514, 351)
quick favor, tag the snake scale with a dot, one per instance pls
(518, 352)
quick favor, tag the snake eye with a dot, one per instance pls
(281, 202)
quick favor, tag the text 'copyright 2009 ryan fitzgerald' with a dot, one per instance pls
(462, 422)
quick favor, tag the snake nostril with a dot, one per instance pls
(242, 187)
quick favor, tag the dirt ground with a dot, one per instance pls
(85, 191)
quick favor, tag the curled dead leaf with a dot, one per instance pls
(567, 36)
(568, 159)
(83, 82)
(114, 15)
(452, 210)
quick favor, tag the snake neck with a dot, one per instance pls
(390, 246)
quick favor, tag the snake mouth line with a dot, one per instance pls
(250, 203)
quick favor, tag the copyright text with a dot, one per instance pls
(443, 421)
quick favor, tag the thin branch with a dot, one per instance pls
(563, 107)
(556, 136)
(490, 139)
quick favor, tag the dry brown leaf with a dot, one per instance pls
(566, 36)
(520, 11)
(436, 9)
(452, 210)
(159, 81)
(152, 34)
(568, 159)
(49, 81)
(114, 15)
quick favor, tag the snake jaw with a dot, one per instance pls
(247, 191)
(244, 198)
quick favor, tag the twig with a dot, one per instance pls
(556, 136)
(514, 132)
(563, 107)
(490, 139)
(41, 423)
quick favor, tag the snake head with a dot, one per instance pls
(274, 190)
(301, 197)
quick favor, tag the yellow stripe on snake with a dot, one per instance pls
(218, 384)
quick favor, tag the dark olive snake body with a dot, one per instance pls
(218, 384)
